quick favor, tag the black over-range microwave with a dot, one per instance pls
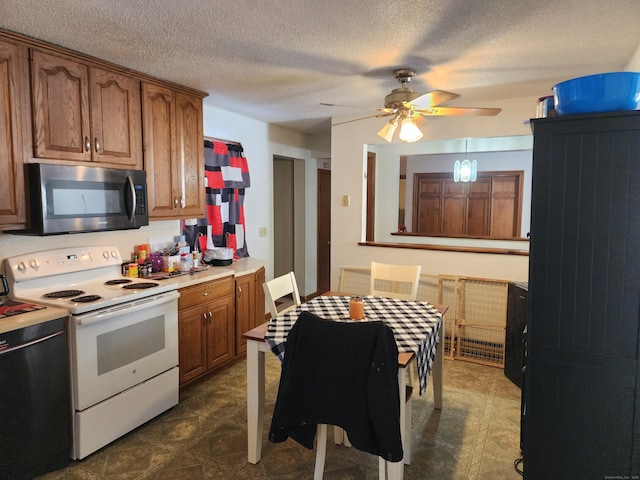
(78, 198)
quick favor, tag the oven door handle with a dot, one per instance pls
(129, 307)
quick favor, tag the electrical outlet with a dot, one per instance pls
(262, 232)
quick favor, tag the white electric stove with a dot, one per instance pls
(123, 337)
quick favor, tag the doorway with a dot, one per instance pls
(324, 231)
(289, 218)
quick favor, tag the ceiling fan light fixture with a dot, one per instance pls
(409, 132)
(388, 130)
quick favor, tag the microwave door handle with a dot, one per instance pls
(133, 197)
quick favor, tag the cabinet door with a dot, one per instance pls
(245, 310)
(158, 107)
(191, 334)
(60, 103)
(259, 296)
(190, 155)
(116, 118)
(12, 201)
(220, 332)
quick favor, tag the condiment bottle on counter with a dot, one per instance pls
(185, 262)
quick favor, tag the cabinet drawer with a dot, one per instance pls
(206, 291)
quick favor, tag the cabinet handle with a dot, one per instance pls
(206, 294)
(175, 202)
(96, 143)
(239, 291)
(87, 144)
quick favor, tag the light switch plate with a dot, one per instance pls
(346, 200)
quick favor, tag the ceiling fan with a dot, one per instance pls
(406, 105)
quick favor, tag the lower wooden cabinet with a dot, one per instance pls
(249, 306)
(212, 316)
(206, 330)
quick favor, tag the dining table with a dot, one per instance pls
(416, 325)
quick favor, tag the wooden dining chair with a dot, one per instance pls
(281, 294)
(401, 282)
(344, 374)
(395, 281)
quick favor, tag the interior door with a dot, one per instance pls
(324, 231)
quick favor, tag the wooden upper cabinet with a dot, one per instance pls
(60, 102)
(116, 118)
(190, 142)
(13, 75)
(83, 113)
(173, 152)
(159, 138)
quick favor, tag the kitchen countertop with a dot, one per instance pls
(27, 319)
(240, 267)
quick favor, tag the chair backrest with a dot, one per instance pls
(277, 289)
(395, 281)
(354, 281)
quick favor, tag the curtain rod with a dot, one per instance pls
(222, 140)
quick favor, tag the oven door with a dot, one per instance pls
(117, 348)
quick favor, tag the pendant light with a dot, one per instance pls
(467, 170)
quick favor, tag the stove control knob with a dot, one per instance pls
(105, 254)
(34, 263)
(22, 267)
(114, 254)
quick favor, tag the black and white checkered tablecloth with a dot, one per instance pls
(414, 324)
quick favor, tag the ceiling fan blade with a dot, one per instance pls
(458, 111)
(362, 118)
(387, 110)
(433, 98)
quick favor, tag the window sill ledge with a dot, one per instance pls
(446, 248)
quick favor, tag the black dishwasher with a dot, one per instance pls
(35, 400)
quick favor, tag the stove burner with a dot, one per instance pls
(63, 294)
(86, 298)
(118, 281)
(140, 285)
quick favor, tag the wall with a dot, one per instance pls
(260, 141)
(348, 159)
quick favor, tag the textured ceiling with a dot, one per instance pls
(280, 61)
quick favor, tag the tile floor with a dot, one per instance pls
(475, 436)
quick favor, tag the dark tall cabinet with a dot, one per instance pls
(514, 339)
(582, 411)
